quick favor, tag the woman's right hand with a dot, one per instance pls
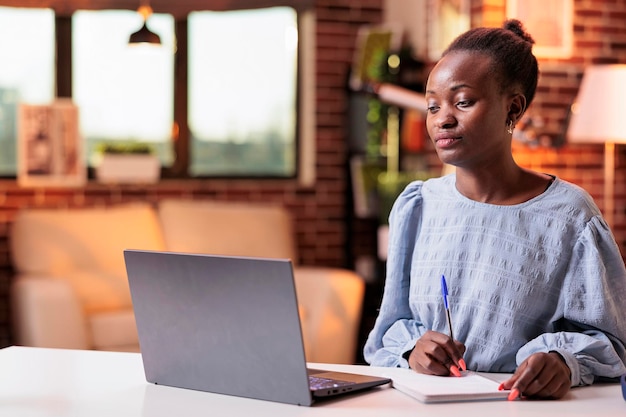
(437, 354)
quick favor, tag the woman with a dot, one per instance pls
(537, 285)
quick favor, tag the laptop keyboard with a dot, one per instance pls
(317, 383)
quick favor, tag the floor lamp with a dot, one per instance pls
(598, 116)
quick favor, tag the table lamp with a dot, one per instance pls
(598, 117)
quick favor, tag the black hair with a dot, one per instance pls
(510, 48)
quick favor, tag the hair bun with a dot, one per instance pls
(517, 27)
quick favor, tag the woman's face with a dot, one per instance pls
(467, 111)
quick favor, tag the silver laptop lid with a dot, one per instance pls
(221, 324)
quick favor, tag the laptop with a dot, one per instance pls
(227, 325)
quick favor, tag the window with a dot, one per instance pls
(243, 68)
(30, 76)
(124, 93)
(243, 108)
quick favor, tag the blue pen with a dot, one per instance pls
(444, 292)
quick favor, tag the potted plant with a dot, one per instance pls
(127, 162)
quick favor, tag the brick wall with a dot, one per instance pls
(324, 234)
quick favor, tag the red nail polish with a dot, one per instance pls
(501, 387)
(514, 395)
(455, 371)
(462, 364)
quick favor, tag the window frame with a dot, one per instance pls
(305, 137)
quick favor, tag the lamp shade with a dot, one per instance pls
(598, 114)
(144, 35)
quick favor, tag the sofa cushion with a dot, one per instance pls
(114, 330)
(92, 238)
(236, 229)
(85, 247)
(99, 291)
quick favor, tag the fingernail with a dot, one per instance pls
(501, 387)
(462, 364)
(455, 371)
(514, 395)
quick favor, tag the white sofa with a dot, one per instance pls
(70, 288)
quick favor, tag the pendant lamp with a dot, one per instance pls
(144, 35)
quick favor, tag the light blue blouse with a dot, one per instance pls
(544, 275)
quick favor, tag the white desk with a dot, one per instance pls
(56, 382)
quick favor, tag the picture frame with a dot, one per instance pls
(550, 23)
(373, 43)
(364, 177)
(446, 19)
(49, 146)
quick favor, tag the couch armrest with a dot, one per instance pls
(331, 300)
(46, 313)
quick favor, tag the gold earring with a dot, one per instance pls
(510, 126)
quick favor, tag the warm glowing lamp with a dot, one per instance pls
(144, 35)
(598, 117)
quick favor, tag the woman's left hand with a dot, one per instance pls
(541, 375)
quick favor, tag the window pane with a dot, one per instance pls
(124, 93)
(27, 74)
(242, 92)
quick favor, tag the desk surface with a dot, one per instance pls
(57, 382)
